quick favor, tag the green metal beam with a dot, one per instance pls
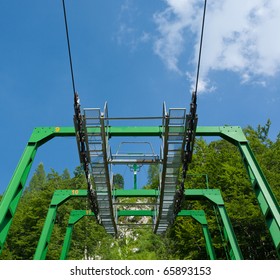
(75, 216)
(41, 135)
(44, 134)
(12, 195)
(66, 242)
(266, 199)
(229, 133)
(199, 216)
(234, 251)
(42, 247)
(59, 197)
(154, 131)
(226, 132)
(135, 193)
(208, 241)
(214, 195)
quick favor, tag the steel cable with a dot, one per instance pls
(200, 46)
(79, 126)
(191, 129)
(68, 46)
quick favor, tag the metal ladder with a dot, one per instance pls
(96, 125)
(174, 137)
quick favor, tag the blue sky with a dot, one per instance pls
(135, 54)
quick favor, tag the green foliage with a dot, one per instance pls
(188, 241)
(38, 180)
(263, 131)
(118, 181)
(153, 177)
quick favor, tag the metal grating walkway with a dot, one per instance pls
(174, 136)
(97, 147)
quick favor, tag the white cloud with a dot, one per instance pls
(203, 85)
(128, 34)
(171, 24)
(240, 36)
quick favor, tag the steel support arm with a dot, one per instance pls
(199, 216)
(67, 242)
(214, 195)
(42, 247)
(12, 195)
(59, 197)
(75, 216)
(266, 199)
